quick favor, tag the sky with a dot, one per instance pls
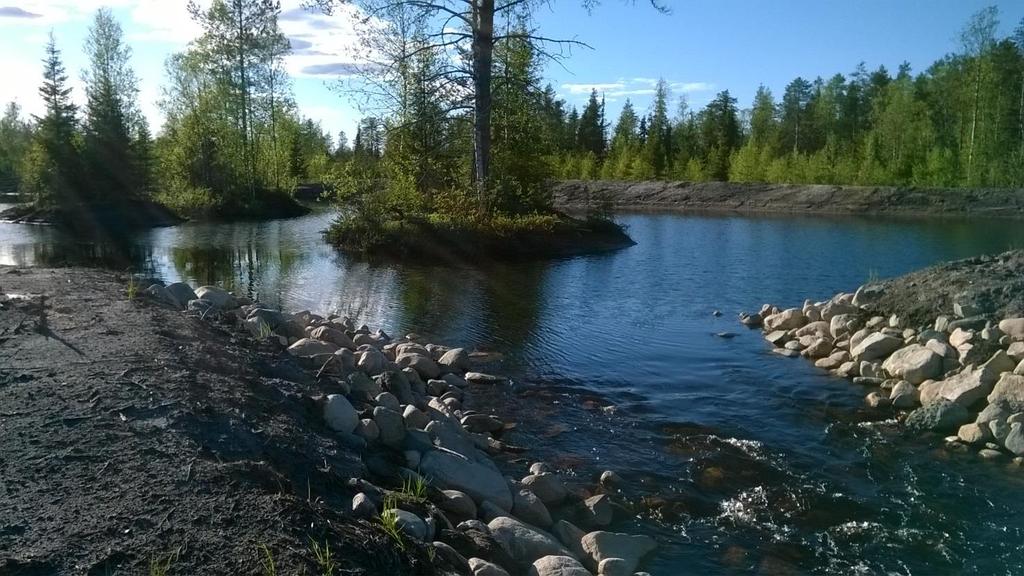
(700, 48)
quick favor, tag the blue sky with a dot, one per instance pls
(702, 47)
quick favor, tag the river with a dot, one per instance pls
(737, 460)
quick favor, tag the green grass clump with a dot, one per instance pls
(324, 561)
(267, 561)
(389, 521)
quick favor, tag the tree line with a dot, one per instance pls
(233, 142)
(960, 123)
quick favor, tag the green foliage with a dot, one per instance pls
(389, 521)
(267, 561)
(415, 489)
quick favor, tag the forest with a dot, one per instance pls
(461, 127)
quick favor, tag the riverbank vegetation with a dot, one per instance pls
(232, 146)
(959, 123)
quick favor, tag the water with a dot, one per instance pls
(736, 459)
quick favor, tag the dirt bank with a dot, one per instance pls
(133, 433)
(785, 198)
(990, 286)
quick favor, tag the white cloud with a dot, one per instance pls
(588, 88)
(690, 87)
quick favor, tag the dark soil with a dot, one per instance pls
(94, 218)
(133, 434)
(788, 198)
(994, 284)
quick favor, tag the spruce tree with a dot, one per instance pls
(52, 170)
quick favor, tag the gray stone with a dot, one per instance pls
(525, 544)
(481, 480)
(415, 418)
(557, 566)
(216, 296)
(1010, 391)
(876, 347)
(332, 335)
(370, 361)
(548, 487)
(457, 503)
(778, 338)
(527, 507)
(1012, 327)
(339, 414)
(914, 363)
(904, 395)
(360, 383)
(368, 430)
(969, 323)
(182, 292)
(391, 425)
(974, 433)
(455, 359)
(942, 415)
(422, 363)
(1014, 441)
(990, 454)
(483, 568)
(481, 378)
(409, 523)
(614, 567)
(999, 410)
(786, 320)
(601, 545)
(599, 511)
(388, 400)
(482, 423)
(363, 507)
(876, 400)
(309, 347)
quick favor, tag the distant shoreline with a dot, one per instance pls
(788, 198)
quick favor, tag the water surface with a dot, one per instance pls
(737, 460)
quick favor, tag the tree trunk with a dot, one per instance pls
(244, 80)
(974, 122)
(483, 56)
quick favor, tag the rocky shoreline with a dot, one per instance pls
(787, 198)
(402, 460)
(942, 349)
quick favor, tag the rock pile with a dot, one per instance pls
(403, 404)
(961, 374)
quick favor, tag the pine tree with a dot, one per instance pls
(52, 171)
(111, 90)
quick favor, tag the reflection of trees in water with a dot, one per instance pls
(251, 268)
(119, 254)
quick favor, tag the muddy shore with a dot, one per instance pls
(788, 198)
(216, 439)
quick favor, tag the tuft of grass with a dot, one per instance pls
(161, 565)
(133, 287)
(415, 488)
(389, 521)
(873, 276)
(324, 560)
(267, 561)
(263, 331)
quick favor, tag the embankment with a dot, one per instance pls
(789, 198)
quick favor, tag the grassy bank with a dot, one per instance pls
(91, 218)
(202, 204)
(500, 237)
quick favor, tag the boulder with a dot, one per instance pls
(415, 418)
(1014, 440)
(482, 423)
(778, 338)
(548, 487)
(218, 297)
(1009, 390)
(527, 507)
(876, 347)
(1012, 327)
(598, 511)
(481, 378)
(614, 567)
(942, 415)
(391, 425)
(820, 328)
(994, 411)
(967, 387)
(340, 415)
(307, 347)
(843, 325)
(868, 294)
(388, 400)
(456, 359)
(786, 320)
(368, 430)
(479, 479)
(557, 566)
(457, 503)
(904, 395)
(182, 292)
(525, 544)
(481, 567)
(332, 335)
(820, 348)
(363, 506)
(838, 308)
(600, 545)
(409, 523)
(371, 361)
(422, 363)
(974, 433)
(943, 349)
(162, 294)
(1016, 351)
(876, 400)
(975, 323)
(914, 363)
